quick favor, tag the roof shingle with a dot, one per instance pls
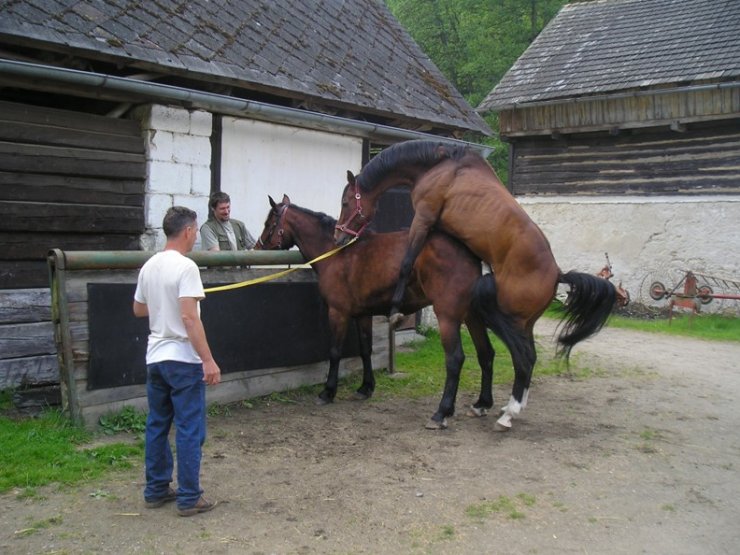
(614, 45)
(350, 53)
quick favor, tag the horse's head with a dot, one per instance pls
(356, 212)
(274, 236)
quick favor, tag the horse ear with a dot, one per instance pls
(286, 199)
(272, 202)
(350, 178)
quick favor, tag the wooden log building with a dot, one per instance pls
(623, 123)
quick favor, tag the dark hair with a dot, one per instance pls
(217, 198)
(176, 219)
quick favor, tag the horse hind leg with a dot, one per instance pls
(365, 330)
(454, 358)
(524, 357)
(486, 354)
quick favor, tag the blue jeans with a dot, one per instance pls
(175, 391)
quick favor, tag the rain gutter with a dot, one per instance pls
(215, 103)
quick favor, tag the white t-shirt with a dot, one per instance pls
(163, 280)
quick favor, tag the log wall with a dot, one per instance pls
(68, 180)
(697, 160)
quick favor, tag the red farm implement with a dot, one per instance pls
(695, 289)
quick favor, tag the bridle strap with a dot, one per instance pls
(277, 225)
(357, 214)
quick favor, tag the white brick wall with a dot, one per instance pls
(178, 165)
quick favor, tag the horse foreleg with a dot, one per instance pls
(486, 354)
(449, 333)
(338, 327)
(365, 331)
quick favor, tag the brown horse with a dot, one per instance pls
(456, 190)
(358, 282)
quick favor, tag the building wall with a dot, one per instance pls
(260, 159)
(178, 153)
(648, 239)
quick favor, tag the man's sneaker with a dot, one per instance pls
(202, 506)
(171, 495)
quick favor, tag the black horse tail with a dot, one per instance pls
(486, 305)
(587, 308)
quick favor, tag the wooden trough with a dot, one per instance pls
(266, 337)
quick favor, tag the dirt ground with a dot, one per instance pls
(641, 457)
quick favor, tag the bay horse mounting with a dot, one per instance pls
(358, 282)
(454, 189)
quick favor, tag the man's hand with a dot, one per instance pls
(211, 373)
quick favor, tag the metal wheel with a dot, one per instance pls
(657, 291)
(704, 292)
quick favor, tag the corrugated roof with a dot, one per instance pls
(615, 45)
(350, 54)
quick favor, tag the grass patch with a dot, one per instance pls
(711, 327)
(503, 504)
(49, 449)
(420, 370)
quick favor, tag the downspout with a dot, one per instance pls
(218, 103)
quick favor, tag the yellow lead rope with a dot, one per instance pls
(278, 274)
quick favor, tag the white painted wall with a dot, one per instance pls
(260, 159)
(178, 144)
(655, 238)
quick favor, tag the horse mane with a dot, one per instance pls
(326, 222)
(417, 152)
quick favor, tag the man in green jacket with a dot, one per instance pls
(221, 232)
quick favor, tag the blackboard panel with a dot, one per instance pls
(117, 337)
(263, 326)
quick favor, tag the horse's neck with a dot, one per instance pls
(310, 236)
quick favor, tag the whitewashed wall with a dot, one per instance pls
(655, 238)
(260, 159)
(178, 143)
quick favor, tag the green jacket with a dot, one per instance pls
(244, 239)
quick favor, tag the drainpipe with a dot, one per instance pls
(218, 103)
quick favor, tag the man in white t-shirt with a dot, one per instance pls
(179, 366)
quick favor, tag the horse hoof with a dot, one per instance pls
(500, 427)
(477, 412)
(434, 425)
(503, 424)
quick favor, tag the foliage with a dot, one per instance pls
(49, 449)
(474, 43)
(128, 419)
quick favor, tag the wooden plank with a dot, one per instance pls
(57, 217)
(71, 161)
(29, 246)
(20, 340)
(24, 306)
(23, 273)
(18, 372)
(14, 112)
(75, 189)
(31, 133)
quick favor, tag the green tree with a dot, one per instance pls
(475, 42)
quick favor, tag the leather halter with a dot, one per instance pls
(278, 224)
(357, 214)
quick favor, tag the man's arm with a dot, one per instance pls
(197, 336)
(208, 239)
(140, 310)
